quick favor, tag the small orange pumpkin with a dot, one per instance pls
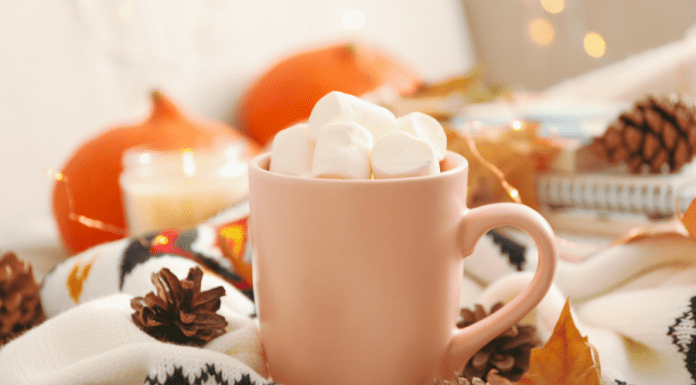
(286, 93)
(90, 187)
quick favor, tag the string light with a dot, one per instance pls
(516, 125)
(54, 174)
(73, 216)
(511, 191)
(161, 240)
(594, 44)
(96, 224)
(541, 31)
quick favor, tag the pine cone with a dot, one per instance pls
(180, 312)
(20, 301)
(508, 353)
(657, 135)
(461, 381)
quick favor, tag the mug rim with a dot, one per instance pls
(461, 164)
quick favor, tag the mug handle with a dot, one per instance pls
(476, 222)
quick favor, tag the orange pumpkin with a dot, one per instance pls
(90, 188)
(286, 93)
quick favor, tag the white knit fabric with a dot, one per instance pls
(98, 343)
(90, 337)
(635, 302)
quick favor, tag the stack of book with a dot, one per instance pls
(612, 203)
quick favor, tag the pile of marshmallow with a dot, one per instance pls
(347, 137)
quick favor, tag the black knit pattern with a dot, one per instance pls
(683, 333)
(210, 372)
(138, 252)
(515, 251)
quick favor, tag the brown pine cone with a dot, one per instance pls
(657, 135)
(20, 300)
(508, 353)
(461, 381)
(180, 312)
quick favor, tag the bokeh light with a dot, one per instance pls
(553, 6)
(353, 20)
(541, 31)
(594, 44)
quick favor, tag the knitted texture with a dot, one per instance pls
(635, 302)
(127, 265)
(98, 343)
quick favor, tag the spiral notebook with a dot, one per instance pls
(653, 196)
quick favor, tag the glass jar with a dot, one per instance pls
(180, 189)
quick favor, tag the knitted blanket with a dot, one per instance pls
(635, 302)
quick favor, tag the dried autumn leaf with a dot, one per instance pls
(567, 358)
(673, 227)
(689, 218)
(680, 225)
(503, 160)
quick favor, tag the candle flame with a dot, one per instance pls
(188, 163)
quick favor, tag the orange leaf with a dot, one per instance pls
(566, 358)
(689, 218)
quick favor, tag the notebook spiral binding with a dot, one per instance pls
(652, 196)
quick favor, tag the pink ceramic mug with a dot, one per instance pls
(358, 281)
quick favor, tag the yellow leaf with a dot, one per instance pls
(567, 358)
(503, 161)
(689, 218)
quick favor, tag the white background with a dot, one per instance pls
(72, 68)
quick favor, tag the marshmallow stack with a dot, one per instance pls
(339, 107)
(349, 138)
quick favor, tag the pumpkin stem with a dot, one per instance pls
(162, 106)
(156, 95)
(352, 48)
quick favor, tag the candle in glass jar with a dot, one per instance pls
(180, 189)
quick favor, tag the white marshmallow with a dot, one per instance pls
(292, 151)
(427, 128)
(340, 107)
(399, 154)
(342, 151)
